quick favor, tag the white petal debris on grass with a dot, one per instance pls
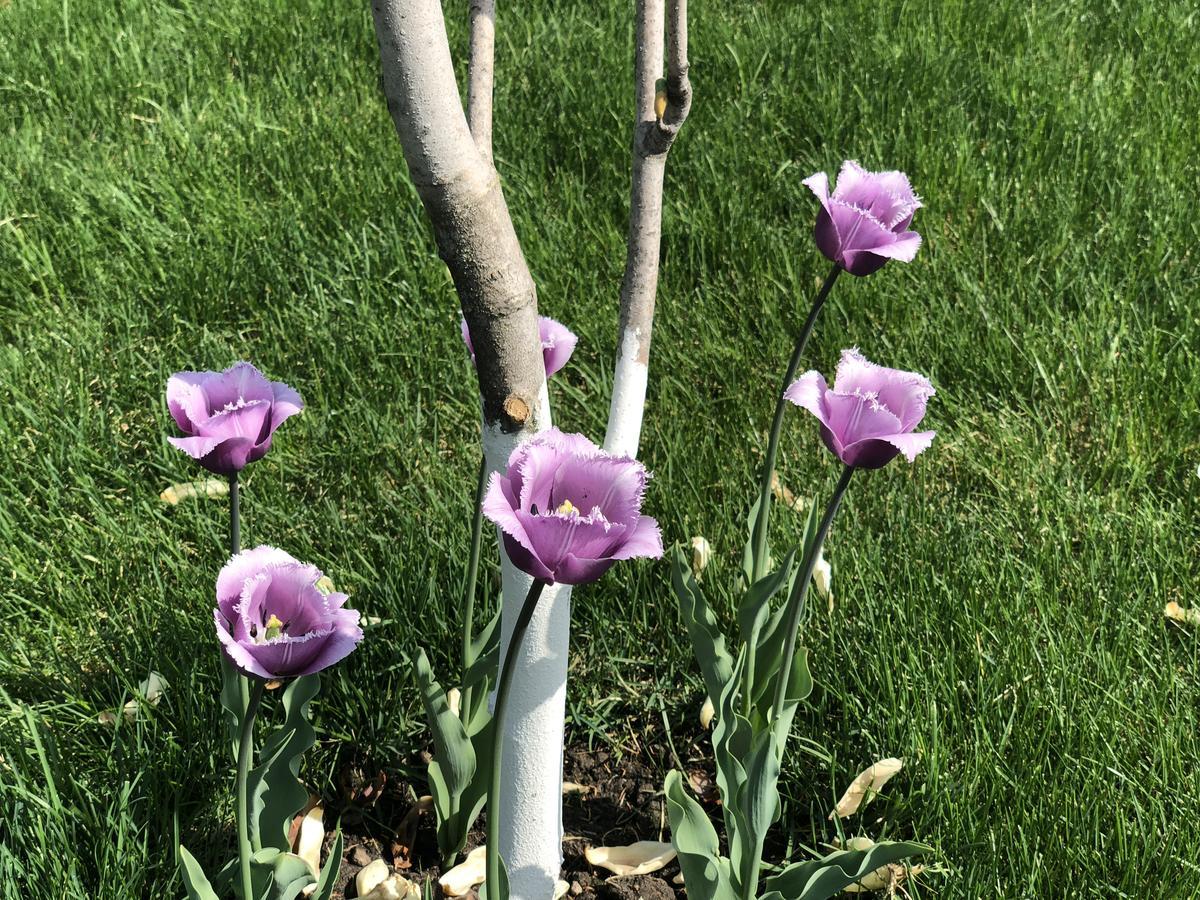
(887, 878)
(639, 858)
(1177, 613)
(376, 881)
(823, 579)
(468, 873)
(701, 555)
(186, 490)
(150, 690)
(866, 785)
(312, 836)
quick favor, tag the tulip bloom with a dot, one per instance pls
(568, 510)
(864, 222)
(558, 343)
(272, 620)
(228, 416)
(869, 414)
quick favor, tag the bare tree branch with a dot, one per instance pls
(653, 135)
(480, 74)
(461, 193)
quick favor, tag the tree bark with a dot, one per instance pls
(480, 74)
(462, 197)
(658, 122)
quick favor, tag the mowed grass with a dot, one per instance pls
(185, 184)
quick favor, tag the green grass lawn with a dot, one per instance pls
(184, 184)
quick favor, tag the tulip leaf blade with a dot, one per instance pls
(753, 610)
(195, 882)
(706, 874)
(820, 879)
(502, 886)
(454, 765)
(276, 792)
(329, 872)
(233, 703)
(708, 643)
(290, 876)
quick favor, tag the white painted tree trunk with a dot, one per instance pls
(450, 162)
(659, 119)
(531, 791)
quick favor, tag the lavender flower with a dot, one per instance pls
(869, 415)
(568, 510)
(228, 416)
(272, 620)
(558, 343)
(864, 222)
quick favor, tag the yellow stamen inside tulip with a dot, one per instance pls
(274, 627)
(567, 508)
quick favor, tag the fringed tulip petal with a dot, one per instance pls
(228, 417)
(868, 416)
(568, 510)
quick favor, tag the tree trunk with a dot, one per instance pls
(659, 118)
(461, 193)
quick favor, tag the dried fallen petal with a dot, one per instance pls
(570, 787)
(371, 876)
(701, 554)
(707, 711)
(151, 689)
(395, 887)
(868, 783)
(638, 858)
(560, 889)
(185, 490)
(823, 579)
(1177, 613)
(312, 835)
(470, 872)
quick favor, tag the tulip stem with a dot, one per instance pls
(799, 595)
(235, 517)
(468, 633)
(235, 547)
(493, 799)
(245, 752)
(764, 491)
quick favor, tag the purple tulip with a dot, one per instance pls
(558, 343)
(864, 222)
(869, 415)
(273, 621)
(569, 510)
(228, 416)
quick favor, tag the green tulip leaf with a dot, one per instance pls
(820, 879)
(454, 765)
(276, 792)
(291, 876)
(708, 644)
(753, 610)
(502, 886)
(329, 872)
(706, 874)
(233, 703)
(195, 882)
